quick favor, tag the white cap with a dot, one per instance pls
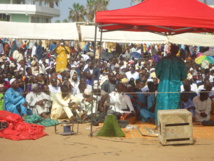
(117, 66)
(149, 80)
(12, 80)
(87, 92)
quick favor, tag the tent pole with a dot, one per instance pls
(95, 41)
(99, 59)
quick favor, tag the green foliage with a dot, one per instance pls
(80, 13)
(57, 21)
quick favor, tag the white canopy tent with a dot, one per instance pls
(48, 31)
(69, 31)
(88, 32)
(199, 39)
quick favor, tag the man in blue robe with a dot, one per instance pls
(13, 100)
(171, 71)
(148, 113)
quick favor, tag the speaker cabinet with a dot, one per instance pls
(175, 127)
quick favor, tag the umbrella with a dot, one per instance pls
(202, 58)
(209, 53)
(136, 55)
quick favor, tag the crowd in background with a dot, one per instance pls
(61, 81)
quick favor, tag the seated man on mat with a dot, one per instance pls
(119, 102)
(39, 102)
(202, 106)
(148, 114)
(63, 105)
(15, 102)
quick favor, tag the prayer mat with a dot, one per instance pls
(35, 119)
(199, 131)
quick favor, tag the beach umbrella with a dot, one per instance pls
(209, 53)
(202, 58)
(199, 54)
(136, 55)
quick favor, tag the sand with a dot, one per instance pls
(82, 147)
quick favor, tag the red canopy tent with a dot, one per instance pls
(168, 17)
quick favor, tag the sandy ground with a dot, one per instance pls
(82, 147)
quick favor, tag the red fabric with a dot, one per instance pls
(6, 85)
(18, 129)
(11, 59)
(149, 14)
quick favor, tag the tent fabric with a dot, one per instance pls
(88, 32)
(19, 130)
(167, 16)
(198, 39)
(54, 31)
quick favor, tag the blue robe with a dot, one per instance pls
(39, 52)
(145, 113)
(13, 101)
(171, 71)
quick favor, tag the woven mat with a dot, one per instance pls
(146, 130)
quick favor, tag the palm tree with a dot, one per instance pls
(50, 2)
(77, 13)
(95, 5)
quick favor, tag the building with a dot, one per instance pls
(27, 11)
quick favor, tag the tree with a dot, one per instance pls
(65, 21)
(77, 13)
(95, 5)
(50, 2)
(57, 21)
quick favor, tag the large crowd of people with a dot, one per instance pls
(60, 81)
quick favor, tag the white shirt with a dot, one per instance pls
(202, 106)
(120, 102)
(33, 51)
(145, 88)
(18, 56)
(85, 57)
(133, 50)
(193, 87)
(32, 98)
(130, 75)
(201, 87)
(75, 85)
(54, 89)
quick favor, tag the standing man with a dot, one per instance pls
(39, 51)
(34, 49)
(171, 71)
(61, 60)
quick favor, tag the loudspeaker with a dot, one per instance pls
(175, 127)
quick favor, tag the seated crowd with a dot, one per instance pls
(88, 87)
